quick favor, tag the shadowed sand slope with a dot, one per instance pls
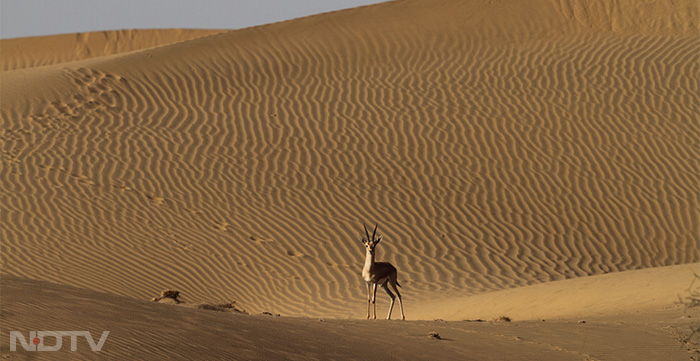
(497, 144)
(140, 330)
(29, 52)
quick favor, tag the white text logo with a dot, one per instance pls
(36, 340)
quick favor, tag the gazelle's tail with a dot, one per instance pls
(398, 284)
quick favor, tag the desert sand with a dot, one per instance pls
(536, 160)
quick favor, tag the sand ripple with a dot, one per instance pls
(241, 165)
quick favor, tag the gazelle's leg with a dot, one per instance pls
(374, 299)
(385, 286)
(369, 297)
(396, 289)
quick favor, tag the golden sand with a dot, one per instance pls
(499, 145)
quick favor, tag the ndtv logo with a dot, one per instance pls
(36, 340)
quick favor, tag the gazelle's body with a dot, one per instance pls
(379, 273)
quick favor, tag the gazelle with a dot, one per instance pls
(378, 273)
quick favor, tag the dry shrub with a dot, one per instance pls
(434, 335)
(692, 303)
(172, 294)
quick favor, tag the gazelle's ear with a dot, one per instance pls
(378, 239)
(363, 240)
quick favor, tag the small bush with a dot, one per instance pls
(435, 335)
(232, 306)
(172, 294)
(692, 301)
(504, 319)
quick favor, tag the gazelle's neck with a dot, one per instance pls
(369, 260)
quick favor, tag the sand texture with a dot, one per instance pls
(36, 51)
(142, 330)
(501, 146)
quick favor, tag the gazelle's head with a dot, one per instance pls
(370, 242)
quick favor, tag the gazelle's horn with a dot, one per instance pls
(366, 232)
(375, 231)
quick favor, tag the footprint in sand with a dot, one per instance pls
(222, 226)
(156, 200)
(84, 179)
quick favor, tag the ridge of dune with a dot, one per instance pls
(142, 330)
(634, 17)
(29, 52)
(611, 294)
(497, 144)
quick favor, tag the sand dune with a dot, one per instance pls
(497, 144)
(141, 330)
(36, 51)
(635, 293)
